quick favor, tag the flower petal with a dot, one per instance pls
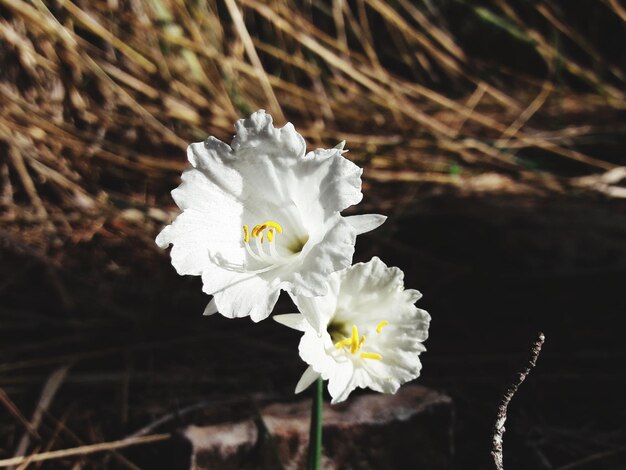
(333, 253)
(317, 311)
(366, 222)
(250, 296)
(341, 383)
(308, 377)
(373, 276)
(291, 320)
(202, 228)
(190, 235)
(337, 181)
(215, 160)
(257, 133)
(211, 308)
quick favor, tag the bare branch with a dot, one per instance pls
(498, 434)
(85, 450)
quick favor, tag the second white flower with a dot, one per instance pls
(366, 332)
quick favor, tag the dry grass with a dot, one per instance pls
(100, 98)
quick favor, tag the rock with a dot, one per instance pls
(412, 429)
(227, 444)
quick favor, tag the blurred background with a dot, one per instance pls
(491, 132)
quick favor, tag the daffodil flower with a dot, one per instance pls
(260, 215)
(366, 332)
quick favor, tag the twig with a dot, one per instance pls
(84, 450)
(606, 183)
(496, 451)
(254, 57)
(29, 186)
(61, 425)
(47, 395)
(592, 458)
(15, 411)
(168, 417)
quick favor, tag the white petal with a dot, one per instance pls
(396, 368)
(314, 349)
(308, 377)
(341, 384)
(372, 279)
(215, 278)
(319, 310)
(215, 160)
(252, 296)
(258, 133)
(333, 253)
(211, 308)
(366, 222)
(190, 234)
(338, 179)
(292, 320)
(311, 312)
(267, 179)
(202, 228)
(412, 295)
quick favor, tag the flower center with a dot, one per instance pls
(257, 249)
(297, 245)
(353, 342)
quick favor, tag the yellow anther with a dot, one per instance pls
(343, 342)
(354, 341)
(368, 355)
(258, 229)
(246, 234)
(276, 225)
(380, 325)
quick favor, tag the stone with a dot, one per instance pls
(411, 429)
(228, 445)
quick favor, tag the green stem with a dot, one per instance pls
(315, 434)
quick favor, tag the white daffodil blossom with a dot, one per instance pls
(261, 215)
(366, 332)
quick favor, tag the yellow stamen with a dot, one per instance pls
(362, 341)
(258, 229)
(343, 342)
(380, 325)
(354, 341)
(246, 234)
(276, 225)
(369, 355)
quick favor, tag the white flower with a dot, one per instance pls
(366, 332)
(260, 216)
